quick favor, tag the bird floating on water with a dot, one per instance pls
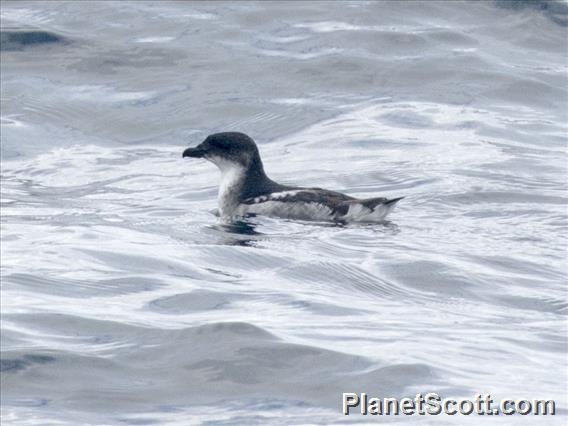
(246, 190)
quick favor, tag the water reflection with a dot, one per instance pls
(237, 233)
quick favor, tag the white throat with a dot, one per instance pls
(232, 181)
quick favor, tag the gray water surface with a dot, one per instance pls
(124, 301)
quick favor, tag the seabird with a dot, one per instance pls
(246, 190)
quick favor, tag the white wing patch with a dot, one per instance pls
(275, 196)
(275, 205)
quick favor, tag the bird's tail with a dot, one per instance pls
(369, 209)
(394, 200)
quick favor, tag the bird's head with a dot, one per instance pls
(226, 150)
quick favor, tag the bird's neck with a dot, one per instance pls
(239, 183)
(233, 178)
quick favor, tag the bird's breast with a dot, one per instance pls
(232, 181)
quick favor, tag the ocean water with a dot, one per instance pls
(124, 301)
